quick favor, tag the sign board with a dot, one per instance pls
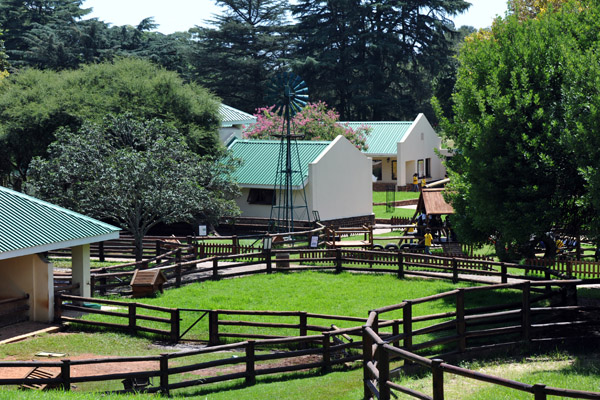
(314, 242)
(201, 230)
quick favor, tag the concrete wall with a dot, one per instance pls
(340, 182)
(419, 144)
(29, 275)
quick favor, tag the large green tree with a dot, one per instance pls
(238, 56)
(35, 104)
(374, 60)
(526, 128)
(134, 173)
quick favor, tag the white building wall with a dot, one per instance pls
(419, 144)
(340, 182)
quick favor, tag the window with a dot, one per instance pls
(377, 169)
(261, 196)
(394, 168)
(428, 167)
(421, 168)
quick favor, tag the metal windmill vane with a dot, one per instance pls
(289, 94)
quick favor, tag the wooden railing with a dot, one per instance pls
(490, 327)
(129, 313)
(13, 310)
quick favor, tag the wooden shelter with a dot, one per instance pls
(432, 202)
(147, 282)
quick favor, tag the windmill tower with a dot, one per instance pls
(290, 94)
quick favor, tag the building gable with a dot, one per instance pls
(384, 135)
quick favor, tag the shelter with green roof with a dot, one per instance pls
(29, 228)
(233, 123)
(336, 179)
(400, 149)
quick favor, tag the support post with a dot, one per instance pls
(526, 311)
(101, 256)
(268, 261)
(400, 265)
(539, 392)
(65, 373)
(215, 268)
(164, 374)
(132, 318)
(454, 270)
(367, 343)
(213, 327)
(503, 273)
(461, 326)
(383, 365)
(338, 260)
(175, 325)
(250, 363)
(438, 379)
(407, 325)
(326, 352)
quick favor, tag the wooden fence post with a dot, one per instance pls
(438, 379)
(175, 325)
(103, 282)
(92, 284)
(101, 256)
(326, 352)
(303, 323)
(235, 244)
(503, 273)
(396, 332)
(400, 265)
(539, 391)
(213, 327)
(58, 308)
(268, 261)
(367, 344)
(215, 268)
(132, 318)
(407, 324)
(338, 260)
(454, 270)
(65, 373)
(526, 311)
(250, 363)
(178, 274)
(461, 327)
(164, 374)
(383, 365)
(157, 248)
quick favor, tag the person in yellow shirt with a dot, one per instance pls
(427, 239)
(423, 183)
(415, 183)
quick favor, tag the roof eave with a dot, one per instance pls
(58, 245)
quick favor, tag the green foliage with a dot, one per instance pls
(314, 122)
(373, 60)
(526, 127)
(35, 104)
(137, 174)
(237, 57)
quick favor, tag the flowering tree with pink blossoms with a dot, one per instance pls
(314, 122)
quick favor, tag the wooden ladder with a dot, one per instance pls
(40, 373)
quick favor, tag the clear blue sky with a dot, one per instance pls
(180, 15)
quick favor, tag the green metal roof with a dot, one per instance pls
(260, 157)
(231, 116)
(384, 135)
(29, 226)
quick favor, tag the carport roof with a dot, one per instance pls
(29, 226)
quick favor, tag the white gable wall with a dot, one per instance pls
(340, 184)
(419, 144)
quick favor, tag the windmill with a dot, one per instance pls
(290, 94)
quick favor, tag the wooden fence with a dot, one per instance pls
(572, 268)
(128, 312)
(13, 310)
(498, 327)
(517, 318)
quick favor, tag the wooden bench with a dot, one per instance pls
(40, 373)
(333, 237)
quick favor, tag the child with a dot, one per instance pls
(415, 183)
(427, 239)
